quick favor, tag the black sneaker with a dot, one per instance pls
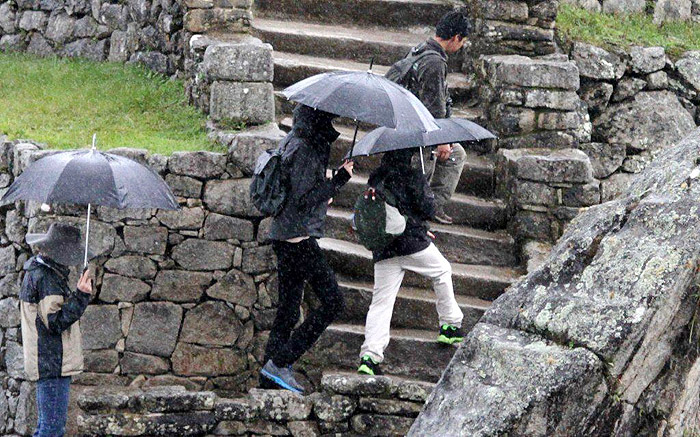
(450, 334)
(369, 367)
(282, 376)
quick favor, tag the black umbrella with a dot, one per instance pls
(90, 177)
(452, 130)
(363, 96)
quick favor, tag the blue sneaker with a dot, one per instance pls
(282, 376)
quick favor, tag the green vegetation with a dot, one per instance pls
(608, 30)
(62, 102)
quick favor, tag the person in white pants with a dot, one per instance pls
(411, 251)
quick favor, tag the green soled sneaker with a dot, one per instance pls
(368, 366)
(450, 334)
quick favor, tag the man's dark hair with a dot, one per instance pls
(453, 23)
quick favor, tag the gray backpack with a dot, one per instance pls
(405, 71)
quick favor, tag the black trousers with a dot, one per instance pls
(298, 263)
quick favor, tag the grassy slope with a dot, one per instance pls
(62, 102)
(609, 30)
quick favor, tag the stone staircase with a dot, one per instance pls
(315, 36)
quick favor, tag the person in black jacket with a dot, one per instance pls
(294, 233)
(50, 313)
(411, 251)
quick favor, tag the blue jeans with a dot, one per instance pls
(52, 404)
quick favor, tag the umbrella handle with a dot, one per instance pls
(422, 163)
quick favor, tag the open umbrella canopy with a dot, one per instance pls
(365, 97)
(87, 177)
(452, 130)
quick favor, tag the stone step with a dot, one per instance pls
(294, 67)
(337, 42)
(411, 353)
(480, 281)
(457, 243)
(414, 307)
(465, 210)
(380, 13)
(477, 178)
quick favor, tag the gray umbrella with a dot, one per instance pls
(452, 130)
(363, 96)
(89, 177)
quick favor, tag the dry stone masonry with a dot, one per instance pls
(346, 404)
(661, 10)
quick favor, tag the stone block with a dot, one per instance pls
(551, 99)
(204, 20)
(657, 81)
(33, 21)
(154, 328)
(234, 409)
(169, 424)
(10, 285)
(306, 428)
(236, 287)
(100, 327)
(596, 63)
(8, 260)
(615, 185)
(105, 399)
(12, 43)
(146, 239)
(647, 60)
(582, 195)
(532, 225)
(534, 193)
(113, 215)
(378, 424)
(180, 286)
(86, 48)
(417, 391)
(389, 406)
(202, 165)
(101, 361)
(334, 408)
(26, 412)
(504, 70)
(230, 197)
(627, 88)
(39, 46)
(185, 218)
(280, 405)
(132, 266)
(258, 260)
(117, 288)
(14, 360)
(7, 19)
(605, 158)
(251, 102)
(239, 62)
(357, 384)
(222, 227)
(184, 186)
(139, 10)
(689, 68)
(155, 61)
(60, 28)
(551, 166)
(508, 120)
(192, 360)
(9, 313)
(558, 120)
(672, 10)
(211, 323)
(194, 254)
(248, 145)
(172, 400)
(140, 364)
(115, 16)
(541, 139)
(505, 11)
(623, 7)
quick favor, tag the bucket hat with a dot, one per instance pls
(62, 243)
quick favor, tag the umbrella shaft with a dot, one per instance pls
(87, 236)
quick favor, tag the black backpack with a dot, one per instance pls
(268, 189)
(405, 71)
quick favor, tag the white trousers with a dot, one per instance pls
(388, 275)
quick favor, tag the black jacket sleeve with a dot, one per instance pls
(432, 87)
(56, 312)
(423, 198)
(310, 190)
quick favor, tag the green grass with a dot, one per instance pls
(608, 30)
(62, 102)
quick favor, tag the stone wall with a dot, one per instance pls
(182, 297)
(661, 10)
(151, 32)
(347, 404)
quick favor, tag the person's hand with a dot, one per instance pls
(431, 235)
(443, 152)
(348, 166)
(330, 200)
(85, 283)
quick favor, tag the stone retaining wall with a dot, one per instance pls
(347, 404)
(661, 10)
(182, 297)
(151, 32)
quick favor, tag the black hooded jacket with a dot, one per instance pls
(432, 79)
(304, 161)
(413, 199)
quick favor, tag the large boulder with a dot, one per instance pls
(652, 120)
(599, 339)
(154, 328)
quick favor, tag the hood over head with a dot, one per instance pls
(311, 123)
